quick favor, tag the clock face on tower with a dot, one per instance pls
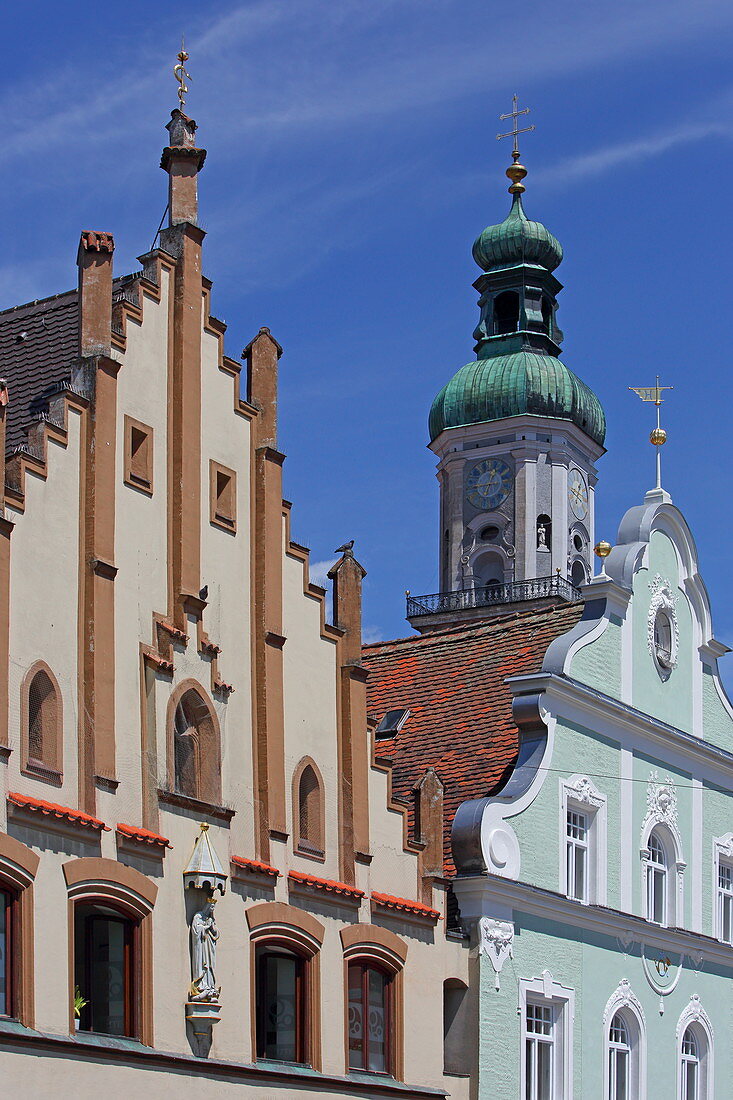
(488, 484)
(577, 494)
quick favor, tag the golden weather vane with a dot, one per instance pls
(658, 436)
(517, 171)
(179, 72)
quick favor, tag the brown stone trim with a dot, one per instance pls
(92, 874)
(372, 939)
(203, 809)
(141, 477)
(51, 767)
(148, 746)
(222, 506)
(300, 553)
(18, 867)
(6, 529)
(94, 260)
(99, 600)
(210, 793)
(316, 848)
(271, 916)
(39, 435)
(429, 832)
(385, 764)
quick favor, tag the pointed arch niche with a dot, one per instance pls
(41, 712)
(194, 744)
(309, 810)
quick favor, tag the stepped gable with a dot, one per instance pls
(460, 720)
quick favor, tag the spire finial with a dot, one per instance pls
(179, 72)
(516, 171)
(658, 436)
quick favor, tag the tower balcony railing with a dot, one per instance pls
(491, 595)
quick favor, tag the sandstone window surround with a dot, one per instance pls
(309, 810)
(194, 745)
(374, 962)
(105, 890)
(18, 867)
(285, 945)
(222, 497)
(42, 727)
(138, 455)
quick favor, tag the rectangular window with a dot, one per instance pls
(138, 455)
(540, 1052)
(6, 999)
(725, 902)
(369, 1018)
(280, 1022)
(223, 496)
(577, 855)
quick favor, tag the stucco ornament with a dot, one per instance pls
(623, 997)
(694, 1013)
(585, 791)
(496, 939)
(663, 633)
(204, 937)
(661, 802)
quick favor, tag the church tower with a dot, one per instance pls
(516, 433)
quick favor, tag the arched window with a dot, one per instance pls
(578, 573)
(488, 569)
(286, 986)
(547, 315)
(619, 1059)
(370, 1017)
(18, 866)
(694, 1053)
(657, 881)
(195, 746)
(690, 1066)
(110, 988)
(42, 725)
(506, 312)
(308, 809)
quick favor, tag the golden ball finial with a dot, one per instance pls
(657, 437)
(602, 549)
(516, 173)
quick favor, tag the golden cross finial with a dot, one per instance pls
(657, 436)
(517, 171)
(179, 72)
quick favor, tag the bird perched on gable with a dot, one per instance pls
(204, 592)
(347, 549)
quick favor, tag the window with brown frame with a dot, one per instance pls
(105, 950)
(42, 748)
(280, 1005)
(309, 813)
(370, 1018)
(223, 494)
(7, 952)
(138, 455)
(195, 749)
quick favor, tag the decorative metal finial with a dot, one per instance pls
(658, 436)
(179, 72)
(601, 550)
(516, 172)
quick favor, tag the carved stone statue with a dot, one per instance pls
(541, 536)
(204, 935)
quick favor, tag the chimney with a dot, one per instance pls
(183, 161)
(94, 260)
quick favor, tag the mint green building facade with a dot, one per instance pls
(597, 884)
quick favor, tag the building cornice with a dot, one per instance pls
(559, 689)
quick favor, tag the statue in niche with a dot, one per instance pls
(204, 935)
(542, 536)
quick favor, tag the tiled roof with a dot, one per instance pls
(255, 867)
(452, 681)
(403, 905)
(34, 363)
(143, 836)
(52, 809)
(328, 886)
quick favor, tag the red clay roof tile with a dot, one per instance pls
(403, 905)
(255, 867)
(51, 809)
(143, 835)
(329, 886)
(452, 681)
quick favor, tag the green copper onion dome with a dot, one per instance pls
(517, 240)
(512, 385)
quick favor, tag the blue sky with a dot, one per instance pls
(352, 161)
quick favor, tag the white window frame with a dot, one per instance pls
(561, 999)
(675, 868)
(580, 795)
(624, 1000)
(614, 1049)
(695, 1016)
(722, 856)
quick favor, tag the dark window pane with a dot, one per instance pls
(356, 1019)
(4, 958)
(103, 971)
(377, 1022)
(278, 1023)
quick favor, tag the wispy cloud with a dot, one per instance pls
(319, 572)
